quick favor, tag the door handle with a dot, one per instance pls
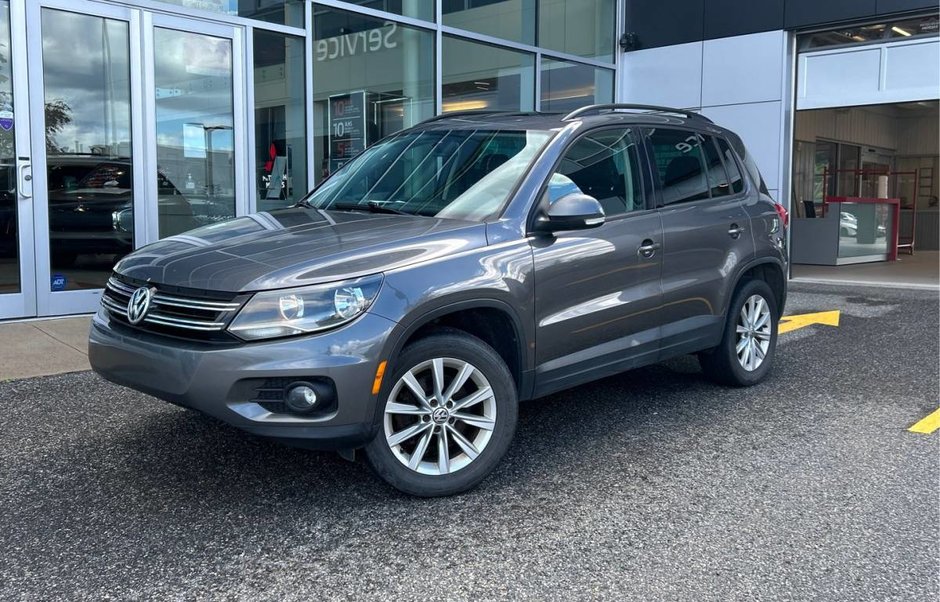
(735, 231)
(25, 184)
(648, 248)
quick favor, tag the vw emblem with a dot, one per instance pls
(138, 304)
(440, 415)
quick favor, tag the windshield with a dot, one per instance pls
(459, 174)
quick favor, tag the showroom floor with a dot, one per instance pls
(920, 270)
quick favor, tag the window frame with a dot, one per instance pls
(738, 164)
(645, 182)
(714, 135)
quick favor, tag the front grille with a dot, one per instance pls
(171, 312)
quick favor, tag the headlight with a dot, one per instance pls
(302, 310)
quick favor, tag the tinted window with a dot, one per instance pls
(731, 164)
(749, 163)
(680, 164)
(717, 177)
(603, 165)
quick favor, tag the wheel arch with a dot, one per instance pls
(485, 319)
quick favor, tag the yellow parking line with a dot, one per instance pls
(928, 424)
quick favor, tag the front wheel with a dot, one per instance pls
(449, 414)
(746, 352)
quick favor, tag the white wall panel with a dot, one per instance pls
(828, 78)
(871, 74)
(670, 76)
(913, 68)
(759, 125)
(743, 69)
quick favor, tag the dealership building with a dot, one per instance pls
(122, 122)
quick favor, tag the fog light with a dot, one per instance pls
(301, 397)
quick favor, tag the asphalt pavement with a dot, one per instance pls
(652, 485)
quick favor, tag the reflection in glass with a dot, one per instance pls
(479, 76)
(582, 28)
(9, 247)
(864, 228)
(458, 174)
(280, 136)
(282, 12)
(508, 19)
(86, 75)
(567, 86)
(416, 9)
(374, 78)
(195, 142)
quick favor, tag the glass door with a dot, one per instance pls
(195, 113)
(85, 98)
(17, 285)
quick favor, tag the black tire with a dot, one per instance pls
(459, 346)
(721, 364)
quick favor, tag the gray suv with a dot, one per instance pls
(408, 304)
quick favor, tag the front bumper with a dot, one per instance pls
(216, 379)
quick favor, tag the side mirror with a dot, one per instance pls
(575, 211)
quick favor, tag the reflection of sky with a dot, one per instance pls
(193, 81)
(85, 64)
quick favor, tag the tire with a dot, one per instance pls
(492, 411)
(723, 364)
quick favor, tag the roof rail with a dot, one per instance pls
(611, 107)
(472, 112)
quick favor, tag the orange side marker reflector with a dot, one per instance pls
(379, 373)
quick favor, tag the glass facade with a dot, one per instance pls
(567, 86)
(280, 119)
(372, 77)
(89, 162)
(512, 20)
(282, 12)
(150, 119)
(481, 76)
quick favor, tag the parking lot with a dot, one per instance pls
(652, 485)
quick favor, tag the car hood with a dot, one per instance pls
(296, 247)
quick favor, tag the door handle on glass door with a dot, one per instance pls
(25, 184)
(648, 248)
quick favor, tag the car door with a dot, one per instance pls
(597, 291)
(705, 236)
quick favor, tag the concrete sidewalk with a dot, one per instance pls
(43, 347)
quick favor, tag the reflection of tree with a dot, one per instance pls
(58, 115)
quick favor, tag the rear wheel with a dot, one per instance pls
(449, 414)
(746, 352)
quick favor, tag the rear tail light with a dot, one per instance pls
(782, 213)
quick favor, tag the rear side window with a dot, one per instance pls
(717, 176)
(680, 164)
(737, 181)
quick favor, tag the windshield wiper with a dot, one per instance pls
(376, 207)
(370, 207)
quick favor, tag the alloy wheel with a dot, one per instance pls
(754, 331)
(440, 416)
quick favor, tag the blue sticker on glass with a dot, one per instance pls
(6, 118)
(58, 282)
